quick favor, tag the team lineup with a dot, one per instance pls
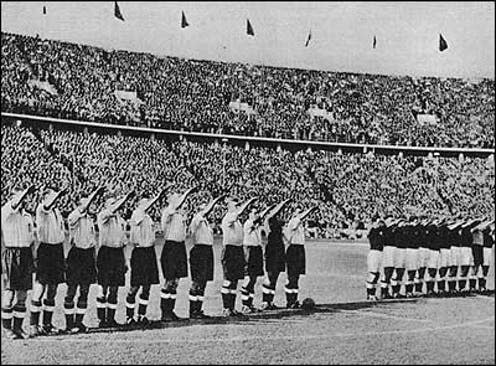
(29, 249)
(407, 252)
(419, 251)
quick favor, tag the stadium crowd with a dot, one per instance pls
(349, 189)
(65, 80)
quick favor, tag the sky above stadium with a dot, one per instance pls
(342, 33)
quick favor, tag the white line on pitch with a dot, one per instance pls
(386, 316)
(272, 337)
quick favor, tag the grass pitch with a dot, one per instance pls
(343, 328)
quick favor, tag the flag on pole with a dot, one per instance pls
(184, 22)
(117, 11)
(44, 10)
(374, 42)
(249, 28)
(309, 37)
(442, 43)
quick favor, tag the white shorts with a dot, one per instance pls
(399, 258)
(444, 257)
(433, 258)
(466, 258)
(374, 259)
(488, 256)
(423, 257)
(411, 259)
(388, 256)
(454, 256)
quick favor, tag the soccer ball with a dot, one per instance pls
(308, 304)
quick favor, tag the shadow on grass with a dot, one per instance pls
(269, 315)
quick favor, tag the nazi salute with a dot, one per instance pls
(111, 265)
(144, 268)
(50, 269)
(81, 262)
(17, 261)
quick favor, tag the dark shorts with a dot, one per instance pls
(144, 268)
(50, 269)
(81, 267)
(111, 266)
(174, 260)
(201, 262)
(17, 269)
(295, 260)
(233, 262)
(254, 264)
(275, 258)
(478, 254)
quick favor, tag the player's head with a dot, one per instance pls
(232, 203)
(49, 193)
(111, 199)
(201, 207)
(143, 202)
(17, 195)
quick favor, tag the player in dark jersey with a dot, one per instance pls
(400, 239)
(444, 255)
(454, 236)
(275, 261)
(376, 239)
(488, 239)
(433, 244)
(412, 252)
(422, 257)
(388, 257)
(466, 257)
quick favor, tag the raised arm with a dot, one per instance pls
(275, 210)
(47, 206)
(245, 205)
(155, 199)
(120, 202)
(307, 212)
(211, 204)
(23, 195)
(184, 196)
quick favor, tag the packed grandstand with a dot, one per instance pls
(73, 81)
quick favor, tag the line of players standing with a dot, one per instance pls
(242, 258)
(414, 252)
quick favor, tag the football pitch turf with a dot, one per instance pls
(343, 328)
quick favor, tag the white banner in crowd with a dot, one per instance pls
(424, 119)
(237, 106)
(130, 96)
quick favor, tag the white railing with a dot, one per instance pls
(298, 144)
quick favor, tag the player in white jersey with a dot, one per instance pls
(233, 259)
(295, 255)
(201, 258)
(50, 271)
(81, 263)
(17, 262)
(110, 262)
(173, 258)
(143, 262)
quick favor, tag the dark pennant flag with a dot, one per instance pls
(442, 43)
(184, 22)
(117, 12)
(309, 37)
(249, 28)
(374, 42)
(44, 10)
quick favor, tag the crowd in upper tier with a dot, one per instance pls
(349, 189)
(66, 80)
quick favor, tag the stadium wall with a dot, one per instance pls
(49, 122)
